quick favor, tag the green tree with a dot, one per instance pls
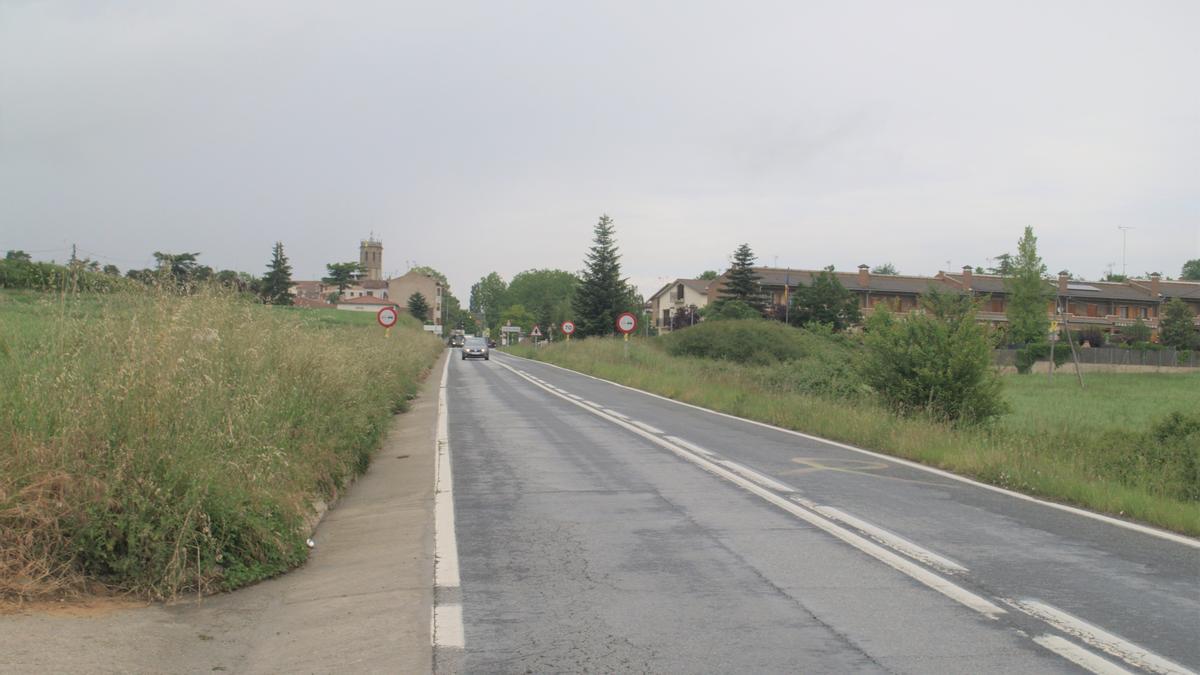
(938, 362)
(16, 255)
(489, 297)
(343, 275)
(547, 294)
(742, 283)
(517, 315)
(182, 268)
(886, 269)
(708, 275)
(1175, 329)
(1191, 270)
(602, 294)
(1139, 332)
(1028, 293)
(418, 307)
(1004, 265)
(277, 282)
(825, 301)
(112, 270)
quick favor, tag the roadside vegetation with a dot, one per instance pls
(1128, 444)
(158, 443)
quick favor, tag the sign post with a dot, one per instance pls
(387, 317)
(535, 334)
(627, 323)
(568, 327)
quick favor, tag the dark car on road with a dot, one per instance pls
(476, 348)
(456, 341)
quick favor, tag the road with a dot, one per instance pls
(603, 529)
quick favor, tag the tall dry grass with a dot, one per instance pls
(158, 444)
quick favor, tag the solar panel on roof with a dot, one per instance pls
(1082, 287)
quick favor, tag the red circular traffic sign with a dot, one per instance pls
(387, 317)
(568, 327)
(627, 322)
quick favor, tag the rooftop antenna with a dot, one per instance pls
(1124, 242)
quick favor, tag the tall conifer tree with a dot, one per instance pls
(742, 282)
(602, 294)
(278, 279)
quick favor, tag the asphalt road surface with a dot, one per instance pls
(602, 529)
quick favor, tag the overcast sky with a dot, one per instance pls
(485, 136)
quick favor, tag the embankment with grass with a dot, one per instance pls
(1127, 445)
(159, 444)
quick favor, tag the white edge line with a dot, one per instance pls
(894, 540)
(1079, 656)
(897, 562)
(446, 625)
(449, 622)
(1137, 527)
(1114, 645)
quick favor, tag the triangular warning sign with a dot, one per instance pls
(536, 332)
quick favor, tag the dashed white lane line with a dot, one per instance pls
(747, 472)
(576, 397)
(646, 427)
(1080, 656)
(615, 414)
(894, 560)
(447, 625)
(1135, 655)
(692, 446)
(894, 541)
(591, 403)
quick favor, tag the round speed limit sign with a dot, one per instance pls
(387, 317)
(627, 323)
(568, 327)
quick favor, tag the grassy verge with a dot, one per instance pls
(1091, 448)
(159, 444)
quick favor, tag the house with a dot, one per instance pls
(365, 303)
(312, 290)
(1109, 306)
(310, 303)
(367, 288)
(400, 289)
(677, 300)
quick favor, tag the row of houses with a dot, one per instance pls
(1108, 305)
(371, 292)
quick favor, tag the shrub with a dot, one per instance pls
(730, 310)
(740, 340)
(939, 363)
(1031, 354)
(1169, 452)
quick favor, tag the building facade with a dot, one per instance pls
(370, 256)
(676, 301)
(400, 289)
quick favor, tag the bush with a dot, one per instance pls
(730, 310)
(741, 340)
(1031, 354)
(938, 363)
(1169, 451)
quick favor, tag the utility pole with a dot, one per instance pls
(1124, 245)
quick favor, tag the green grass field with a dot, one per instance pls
(1092, 447)
(160, 443)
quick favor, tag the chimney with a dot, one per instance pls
(864, 276)
(1155, 286)
(967, 277)
(1062, 283)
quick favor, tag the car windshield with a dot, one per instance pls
(476, 342)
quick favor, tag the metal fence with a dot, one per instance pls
(1115, 356)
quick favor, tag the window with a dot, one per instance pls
(679, 292)
(666, 320)
(1124, 311)
(1143, 313)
